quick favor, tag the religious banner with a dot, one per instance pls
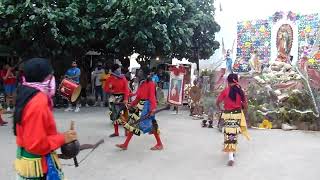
(176, 86)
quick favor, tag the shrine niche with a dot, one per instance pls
(284, 36)
(284, 42)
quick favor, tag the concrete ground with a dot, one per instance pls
(191, 152)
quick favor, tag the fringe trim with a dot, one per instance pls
(230, 148)
(232, 130)
(32, 167)
(243, 122)
(127, 126)
(227, 116)
(29, 168)
(132, 129)
(56, 160)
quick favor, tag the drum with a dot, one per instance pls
(70, 90)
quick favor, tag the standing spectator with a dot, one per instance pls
(155, 79)
(134, 84)
(104, 78)
(97, 82)
(58, 100)
(2, 87)
(154, 76)
(2, 97)
(20, 76)
(9, 81)
(84, 84)
(74, 74)
(2, 122)
(164, 79)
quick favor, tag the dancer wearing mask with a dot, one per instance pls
(234, 101)
(34, 127)
(146, 105)
(117, 87)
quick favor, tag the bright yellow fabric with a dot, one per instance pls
(243, 126)
(103, 78)
(28, 167)
(266, 124)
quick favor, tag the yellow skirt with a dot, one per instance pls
(234, 124)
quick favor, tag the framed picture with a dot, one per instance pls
(176, 89)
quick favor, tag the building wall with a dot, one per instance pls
(240, 10)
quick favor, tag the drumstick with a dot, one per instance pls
(72, 125)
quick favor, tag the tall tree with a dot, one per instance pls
(151, 28)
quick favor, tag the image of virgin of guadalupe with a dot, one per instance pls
(284, 42)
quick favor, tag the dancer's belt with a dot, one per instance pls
(117, 94)
(234, 111)
(116, 98)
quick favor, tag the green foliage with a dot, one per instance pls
(294, 110)
(152, 28)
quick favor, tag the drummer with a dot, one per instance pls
(74, 74)
(117, 86)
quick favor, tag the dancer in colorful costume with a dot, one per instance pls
(142, 118)
(34, 127)
(234, 120)
(117, 86)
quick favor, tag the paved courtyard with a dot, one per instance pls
(191, 152)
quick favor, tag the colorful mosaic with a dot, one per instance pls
(309, 34)
(253, 35)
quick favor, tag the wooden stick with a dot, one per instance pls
(75, 160)
(72, 125)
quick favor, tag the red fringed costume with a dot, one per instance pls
(117, 87)
(37, 132)
(146, 92)
(146, 99)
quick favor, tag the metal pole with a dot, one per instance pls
(91, 62)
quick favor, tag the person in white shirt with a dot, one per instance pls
(96, 79)
(254, 62)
